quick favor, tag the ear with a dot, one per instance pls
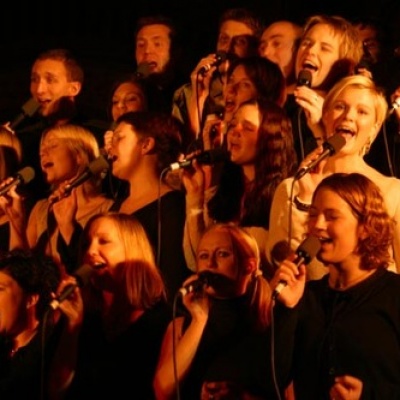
(251, 265)
(362, 234)
(74, 88)
(32, 300)
(148, 145)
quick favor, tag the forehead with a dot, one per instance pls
(235, 28)
(249, 113)
(323, 32)
(361, 96)
(155, 31)
(239, 72)
(103, 225)
(49, 66)
(6, 279)
(214, 239)
(127, 87)
(279, 29)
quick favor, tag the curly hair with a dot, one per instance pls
(368, 206)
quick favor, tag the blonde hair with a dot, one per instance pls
(83, 145)
(138, 273)
(363, 83)
(10, 153)
(245, 247)
(9, 139)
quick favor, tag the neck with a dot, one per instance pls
(346, 163)
(23, 338)
(342, 280)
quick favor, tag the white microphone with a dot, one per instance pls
(82, 276)
(331, 146)
(207, 157)
(307, 250)
(96, 167)
(25, 175)
(205, 278)
(395, 105)
(221, 56)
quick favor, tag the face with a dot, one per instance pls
(353, 116)
(126, 151)
(104, 252)
(243, 134)
(57, 161)
(49, 84)
(318, 51)
(232, 38)
(239, 89)
(332, 221)
(127, 97)
(13, 306)
(216, 254)
(277, 45)
(368, 36)
(153, 46)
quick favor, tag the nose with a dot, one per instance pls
(320, 222)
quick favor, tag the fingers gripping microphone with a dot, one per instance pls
(82, 276)
(331, 146)
(205, 278)
(207, 157)
(28, 110)
(304, 78)
(25, 175)
(96, 167)
(221, 56)
(307, 250)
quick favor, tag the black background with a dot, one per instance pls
(101, 35)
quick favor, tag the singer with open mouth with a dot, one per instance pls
(345, 326)
(221, 345)
(355, 109)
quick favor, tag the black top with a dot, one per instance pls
(354, 332)
(171, 218)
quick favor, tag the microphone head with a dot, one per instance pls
(212, 156)
(25, 175)
(222, 56)
(30, 107)
(99, 165)
(309, 248)
(83, 274)
(143, 70)
(304, 78)
(334, 143)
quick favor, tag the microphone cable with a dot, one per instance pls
(272, 345)
(387, 152)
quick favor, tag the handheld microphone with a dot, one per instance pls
(307, 250)
(96, 167)
(221, 57)
(304, 78)
(205, 278)
(28, 110)
(395, 105)
(25, 175)
(331, 146)
(143, 70)
(207, 157)
(82, 276)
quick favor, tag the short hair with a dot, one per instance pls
(72, 66)
(244, 15)
(34, 273)
(80, 141)
(368, 206)
(363, 83)
(165, 129)
(139, 274)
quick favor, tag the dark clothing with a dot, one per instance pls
(168, 248)
(21, 375)
(230, 350)
(303, 138)
(354, 332)
(5, 236)
(125, 366)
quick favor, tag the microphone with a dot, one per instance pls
(395, 105)
(331, 146)
(205, 278)
(221, 57)
(207, 157)
(28, 110)
(25, 175)
(97, 166)
(143, 70)
(307, 250)
(82, 276)
(304, 78)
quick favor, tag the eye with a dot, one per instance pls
(202, 256)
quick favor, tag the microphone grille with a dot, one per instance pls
(83, 274)
(334, 143)
(143, 70)
(30, 107)
(304, 78)
(309, 248)
(99, 165)
(26, 174)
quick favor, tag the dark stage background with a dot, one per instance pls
(101, 35)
